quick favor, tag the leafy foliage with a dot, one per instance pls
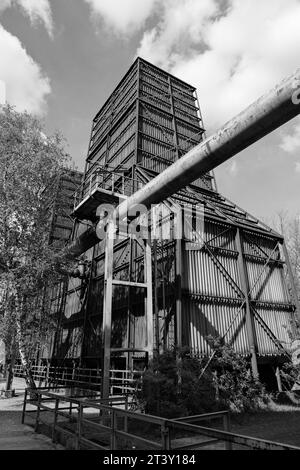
(174, 384)
(32, 165)
(233, 380)
(161, 394)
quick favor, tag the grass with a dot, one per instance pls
(279, 423)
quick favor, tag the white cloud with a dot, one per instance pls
(5, 4)
(232, 55)
(2, 92)
(124, 17)
(26, 87)
(291, 142)
(36, 10)
(233, 168)
(182, 28)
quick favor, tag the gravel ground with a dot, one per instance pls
(281, 423)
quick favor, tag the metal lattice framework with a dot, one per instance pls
(229, 281)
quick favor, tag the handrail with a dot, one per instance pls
(107, 416)
(126, 382)
(109, 180)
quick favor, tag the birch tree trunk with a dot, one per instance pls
(10, 368)
(23, 357)
(21, 344)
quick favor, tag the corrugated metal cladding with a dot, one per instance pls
(212, 300)
(149, 121)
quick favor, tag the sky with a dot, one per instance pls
(61, 59)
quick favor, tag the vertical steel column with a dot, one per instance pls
(86, 308)
(107, 308)
(108, 137)
(249, 318)
(156, 318)
(86, 164)
(163, 284)
(148, 300)
(179, 277)
(178, 293)
(130, 320)
(292, 280)
(137, 114)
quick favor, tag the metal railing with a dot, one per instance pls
(111, 181)
(121, 381)
(89, 422)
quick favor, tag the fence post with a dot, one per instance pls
(278, 378)
(227, 428)
(24, 406)
(79, 426)
(38, 412)
(165, 436)
(70, 410)
(113, 439)
(55, 419)
(47, 379)
(126, 417)
(113, 182)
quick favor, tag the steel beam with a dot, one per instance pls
(83, 243)
(249, 317)
(179, 281)
(148, 299)
(107, 310)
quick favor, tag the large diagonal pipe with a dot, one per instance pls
(269, 112)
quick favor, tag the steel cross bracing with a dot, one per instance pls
(247, 299)
(233, 284)
(211, 249)
(227, 275)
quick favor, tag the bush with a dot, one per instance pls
(235, 385)
(171, 387)
(174, 385)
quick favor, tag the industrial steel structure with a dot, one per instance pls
(61, 210)
(225, 276)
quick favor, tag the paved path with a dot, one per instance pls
(13, 434)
